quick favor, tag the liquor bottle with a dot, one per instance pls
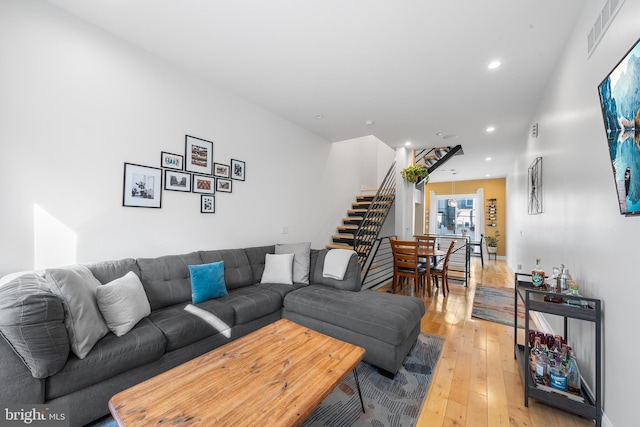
(573, 377)
(537, 275)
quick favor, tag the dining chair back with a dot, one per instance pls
(405, 263)
(426, 243)
(442, 270)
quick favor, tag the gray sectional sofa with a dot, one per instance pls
(37, 366)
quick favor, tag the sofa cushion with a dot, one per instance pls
(207, 281)
(166, 279)
(278, 269)
(351, 281)
(280, 288)
(237, 271)
(301, 259)
(32, 322)
(375, 314)
(256, 257)
(182, 327)
(77, 286)
(252, 302)
(108, 271)
(111, 356)
(123, 303)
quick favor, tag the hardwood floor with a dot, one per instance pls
(476, 381)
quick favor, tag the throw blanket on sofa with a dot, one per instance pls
(336, 262)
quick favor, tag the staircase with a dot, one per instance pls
(361, 227)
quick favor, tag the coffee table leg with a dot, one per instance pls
(355, 374)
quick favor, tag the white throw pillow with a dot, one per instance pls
(301, 259)
(123, 303)
(76, 287)
(278, 269)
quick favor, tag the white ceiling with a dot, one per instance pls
(414, 67)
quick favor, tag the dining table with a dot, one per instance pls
(427, 254)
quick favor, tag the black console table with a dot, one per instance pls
(533, 299)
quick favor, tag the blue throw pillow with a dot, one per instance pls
(207, 281)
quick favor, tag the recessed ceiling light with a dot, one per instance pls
(408, 143)
(319, 116)
(439, 133)
(369, 122)
(488, 176)
(488, 159)
(490, 129)
(494, 64)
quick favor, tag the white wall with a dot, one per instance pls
(77, 103)
(581, 225)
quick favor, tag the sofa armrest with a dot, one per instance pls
(352, 280)
(18, 385)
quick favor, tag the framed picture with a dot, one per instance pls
(221, 170)
(171, 161)
(198, 155)
(203, 184)
(142, 186)
(223, 185)
(237, 169)
(620, 104)
(535, 187)
(177, 181)
(207, 204)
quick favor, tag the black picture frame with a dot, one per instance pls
(202, 184)
(534, 187)
(224, 185)
(207, 203)
(171, 161)
(238, 169)
(177, 181)
(198, 155)
(142, 186)
(220, 170)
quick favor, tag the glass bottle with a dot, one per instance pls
(573, 376)
(537, 275)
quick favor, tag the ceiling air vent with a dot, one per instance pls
(611, 7)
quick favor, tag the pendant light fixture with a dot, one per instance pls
(452, 201)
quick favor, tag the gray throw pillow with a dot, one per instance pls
(77, 287)
(32, 322)
(301, 258)
(123, 303)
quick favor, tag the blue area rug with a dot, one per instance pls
(388, 402)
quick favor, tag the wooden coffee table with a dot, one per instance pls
(275, 376)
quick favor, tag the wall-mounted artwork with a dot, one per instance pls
(535, 187)
(237, 169)
(203, 184)
(221, 170)
(177, 181)
(620, 103)
(171, 161)
(198, 155)
(207, 204)
(223, 185)
(142, 186)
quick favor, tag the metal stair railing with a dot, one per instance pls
(373, 220)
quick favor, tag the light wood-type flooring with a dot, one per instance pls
(476, 381)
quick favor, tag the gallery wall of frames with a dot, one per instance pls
(194, 172)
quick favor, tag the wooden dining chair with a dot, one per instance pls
(426, 242)
(442, 271)
(405, 263)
